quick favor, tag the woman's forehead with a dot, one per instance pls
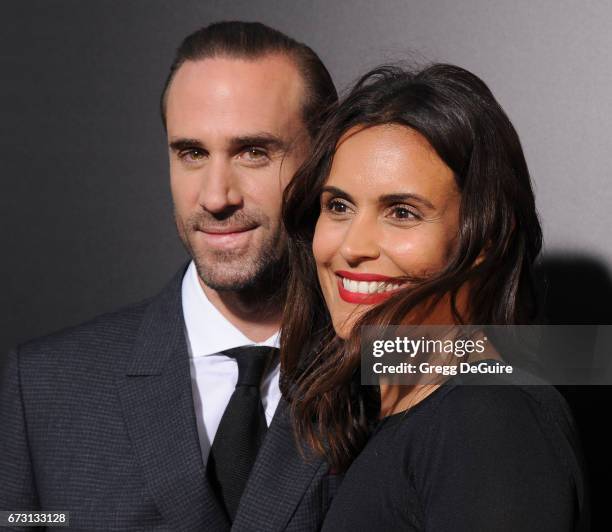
(376, 159)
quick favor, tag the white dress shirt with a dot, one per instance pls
(214, 375)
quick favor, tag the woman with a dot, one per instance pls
(417, 207)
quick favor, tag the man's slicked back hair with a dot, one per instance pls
(253, 40)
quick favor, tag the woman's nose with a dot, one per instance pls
(361, 240)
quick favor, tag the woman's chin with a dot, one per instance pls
(343, 334)
(344, 327)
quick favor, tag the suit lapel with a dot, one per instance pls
(279, 478)
(155, 393)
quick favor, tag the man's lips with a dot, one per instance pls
(224, 230)
(226, 237)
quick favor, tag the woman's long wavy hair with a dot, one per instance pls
(457, 113)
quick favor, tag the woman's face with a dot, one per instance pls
(390, 207)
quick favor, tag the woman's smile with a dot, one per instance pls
(366, 288)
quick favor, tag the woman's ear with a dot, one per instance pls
(482, 255)
(485, 250)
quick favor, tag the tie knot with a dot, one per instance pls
(252, 362)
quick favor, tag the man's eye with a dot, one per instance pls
(192, 155)
(253, 154)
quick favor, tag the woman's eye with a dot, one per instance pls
(403, 212)
(336, 206)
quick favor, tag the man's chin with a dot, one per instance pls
(228, 275)
(228, 285)
(264, 274)
(240, 269)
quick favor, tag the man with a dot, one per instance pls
(154, 417)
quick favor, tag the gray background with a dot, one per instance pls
(85, 207)
(86, 213)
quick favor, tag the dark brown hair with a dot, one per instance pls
(253, 40)
(458, 115)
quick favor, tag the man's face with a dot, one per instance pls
(236, 137)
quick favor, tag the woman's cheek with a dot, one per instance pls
(415, 252)
(322, 251)
(317, 242)
(325, 242)
(404, 252)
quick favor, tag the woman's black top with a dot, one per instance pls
(469, 458)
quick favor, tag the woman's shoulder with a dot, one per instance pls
(496, 439)
(492, 443)
(499, 410)
(479, 417)
(497, 427)
(506, 401)
(496, 399)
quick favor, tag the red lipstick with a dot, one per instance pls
(359, 298)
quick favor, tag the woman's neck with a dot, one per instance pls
(396, 398)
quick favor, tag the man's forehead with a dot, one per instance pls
(238, 94)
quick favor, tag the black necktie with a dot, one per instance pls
(242, 428)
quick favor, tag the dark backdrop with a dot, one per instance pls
(85, 207)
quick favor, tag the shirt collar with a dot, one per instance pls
(208, 331)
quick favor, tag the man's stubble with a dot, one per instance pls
(259, 269)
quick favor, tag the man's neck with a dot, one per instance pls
(254, 314)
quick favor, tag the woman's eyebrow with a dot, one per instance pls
(337, 192)
(385, 199)
(406, 196)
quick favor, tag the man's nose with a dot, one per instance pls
(220, 187)
(361, 240)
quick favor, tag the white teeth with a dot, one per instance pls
(372, 287)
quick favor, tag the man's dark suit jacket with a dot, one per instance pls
(99, 421)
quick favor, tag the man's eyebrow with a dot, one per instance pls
(261, 140)
(184, 144)
(385, 198)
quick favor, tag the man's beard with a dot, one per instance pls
(260, 269)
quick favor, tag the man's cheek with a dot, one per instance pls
(185, 199)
